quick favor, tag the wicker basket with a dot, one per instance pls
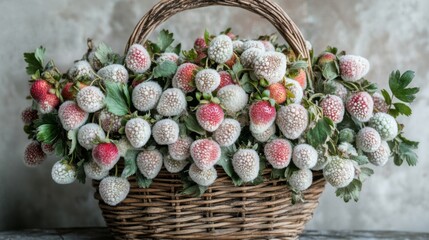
(263, 211)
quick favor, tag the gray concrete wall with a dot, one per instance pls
(391, 34)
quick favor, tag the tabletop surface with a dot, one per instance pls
(103, 234)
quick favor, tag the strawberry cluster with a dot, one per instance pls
(228, 104)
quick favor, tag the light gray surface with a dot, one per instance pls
(391, 34)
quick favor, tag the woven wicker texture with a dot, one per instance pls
(225, 211)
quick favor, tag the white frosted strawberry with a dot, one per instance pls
(333, 108)
(174, 166)
(168, 56)
(262, 115)
(171, 103)
(149, 163)
(295, 89)
(248, 57)
(145, 96)
(88, 134)
(81, 70)
(227, 133)
(246, 164)
(253, 44)
(137, 59)
(265, 135)
(207, 80)
(368, 139)
(109, 122)
(184, 77)
(210, 116)
(268, 46)
(93, 171)
(90, 99)
(322, 159)
(237, 45)
(205, 153)
(233, 98)
(339, 172)
(202, 177)
(353, 68)
(165, 131)
(360, 105)
(220, 49)
(33, 154)
(301, 179)
(63, 172)
(106, 155)
(278, 153)
(114, 73)
(271, 66)
(113, 190)
(138, 132)
(292, 120)
(71, 115)
(385, 125)
(180, 150)
(380, 156)
(304, 156)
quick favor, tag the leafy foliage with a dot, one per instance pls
(34, 60)
(351, 191)
(403, 150)
(130, 163)
(142, 181)
(398, 84)
(320, 133)
(117, 98)
(165, 69)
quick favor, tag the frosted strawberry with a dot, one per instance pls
(295, 89)
(179, 150)
(337, 89)
(227, 133)
(268, 46)
(174, 166)
(113, 190)
(205, 153)
(93, 171)
(246, 164)
(360, 105)
(63, 172)
(81, 70)
(248, 57)
(266, 135)
(184, 77)
(379, 104)
(333, 108)
(149, 163)
(114, 73)
(207, 80)
(88, 134)
(253, 44)
(138, 132)
(165, 132)
(109, 122)
(237, 45)
(94, 61)
(106, 155)
(278, 153)
(48, 103)
(90, 99)
(380, 156)
(39, 89)
(200, 44)
(68, 92)
(233, 98)
(368, 139)
(71, 115)
(220, 49)
(202, 177)
(262, 115)
(304, 156)
(210, 116)
(271, 66)
(145, 96)
(277, 92)
(168, 56)
(301, 78)
(326, 58)
(47, 148)
(34, 155)
(225, 80)
(353, 68)
(137, 59)
(171, 103)
(385, 125)
(339, 172)
(292, 120)
(29, 115)
(301, 179)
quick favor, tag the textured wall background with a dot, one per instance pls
(391, 34)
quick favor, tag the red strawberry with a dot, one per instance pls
(325, 58)
(29, 115)
(205, 153)
(48, 103)
(184, 77)
(106, 155)
(200, 44)
(278, 153)
(68, 92)
(301, 78)
(225, 79)
(262, 115)
(278, 92)
(39, 89)
(210, 116)
(360, 105)
(231, 61)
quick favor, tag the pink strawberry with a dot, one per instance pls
(138, 59)
(29, 115)
(205, 153)
(179, 150)
(231, 35)
(200, 44)
(225, 80)
(106, 155)
(301, 78)
(184, 77)
(262, 115)
(333, 108)
(277, 92)
(39, 89)
(34, 155)
(360, 105)
(379, 104)
(210, 116)
(228, 132)
(71, 115)
(278, 153)
(325, 58)
(353, 68)
(48, 103)
(68, 92)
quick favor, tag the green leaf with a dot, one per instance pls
(105, 54)
(298, 65)
(142, 181)
(406, 153)
(165, 69)
(116, 98)
(411, 144)
(72, 136)
(60, 148)
(330, 71)
(369, 86)
(34, 60)
(226, 163)
(47, 133)
(190, 55)
(237, 68)
(402, 150)
(360, 159)
(165, 39)
(321, 132)
(278, 173)
(351, 191)
(207, 37)
(365, 173)
(398, 85)
(403, 109)
(175, 49)
(192, 124)
(386, 97)
(130, 163)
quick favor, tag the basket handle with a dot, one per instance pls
(264, 8)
